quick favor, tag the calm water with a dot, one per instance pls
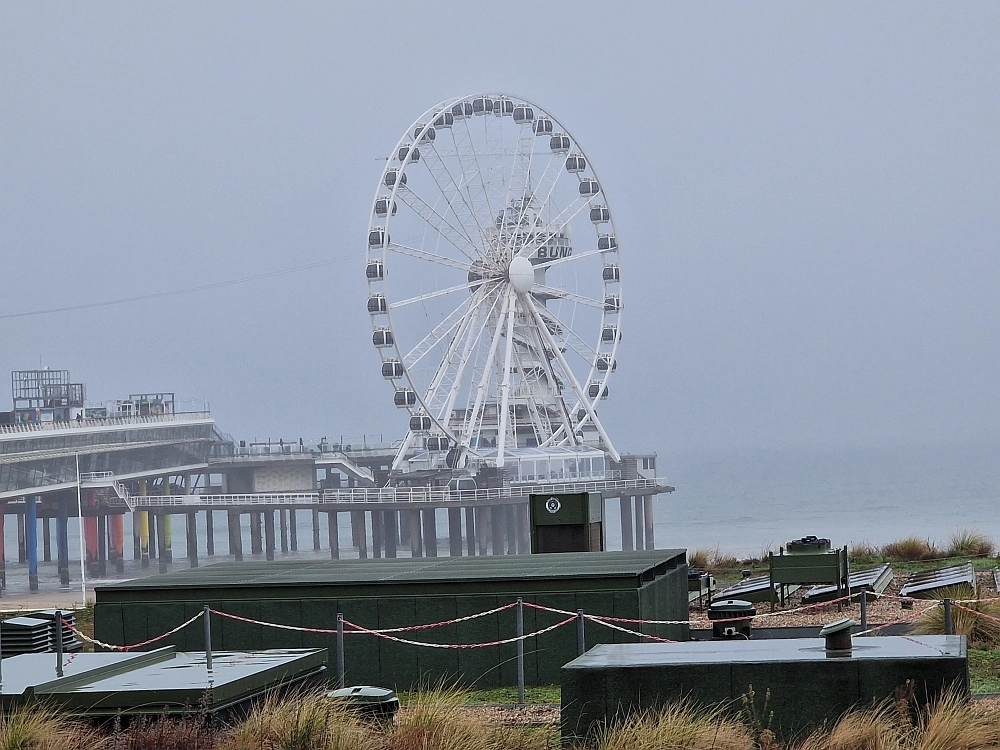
(739, 501)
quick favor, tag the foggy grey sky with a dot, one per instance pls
(806, 198)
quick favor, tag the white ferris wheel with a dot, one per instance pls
(494, 283)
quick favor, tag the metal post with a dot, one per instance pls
(947, 617)
(59, 644)
(864, 610)
(206, 615)
(83, 547)
(340, 650)
(581, 638)
(520, 651)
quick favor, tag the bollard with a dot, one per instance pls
(581, 637)
(59, 644)
(947, 617)
(864, 610)
(340, 650)
(520, 651)
(206, 615)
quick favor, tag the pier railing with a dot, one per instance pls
(438, 495)
(84, 424)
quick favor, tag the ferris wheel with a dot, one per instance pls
(494, 283)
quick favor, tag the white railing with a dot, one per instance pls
(362, 495)
(9, 429)
(107, 479)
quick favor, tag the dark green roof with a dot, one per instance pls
(578, 565)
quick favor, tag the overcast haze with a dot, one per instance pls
(806, 197)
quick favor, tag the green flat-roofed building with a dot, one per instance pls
(378, 594)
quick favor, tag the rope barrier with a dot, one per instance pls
(907, 618)
(515, 639)
(114, 647)
(600, 621)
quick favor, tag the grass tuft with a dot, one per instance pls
(41, 728)
(910, 548)
(871, 729)
(950, 723)
(434, 720)
(862, 550)
(970, 543)
(982, 632)
(679, 726)
(165, 733)
(700, 558)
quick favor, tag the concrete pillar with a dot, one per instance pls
(404, 528)
(315, 517)
(628, 535)
(209, 529)
(136, 543)
(256, 547)
(269, 534)
(523, 532)
(162, 547)
(191, 536)
(143, 528)
(293, 530)
(511, 524)
(455, 532)
(152, 535)
(46, 540)
(116, 542)
(3, 559)
(358, 533)
(235, 535)
(470, 530)
(499, 529)
(640, 523)
(21, 554)
(390, 531)
(31, 541)
(647, 504)
(333, 534)
(413, 522)
(165, 541)
(62, 539)
(483, 530)
(102, 545)
(376, 533)
(91, 535)
(429, 531)
(283, 529)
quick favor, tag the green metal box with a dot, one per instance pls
(569, 522)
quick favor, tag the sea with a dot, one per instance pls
(741, 502)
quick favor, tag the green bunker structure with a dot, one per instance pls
(380, 594)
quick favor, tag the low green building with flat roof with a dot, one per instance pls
(379, 594)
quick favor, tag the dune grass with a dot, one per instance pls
(38, 727)
(910, 549)
(982, 632)
(970, 543)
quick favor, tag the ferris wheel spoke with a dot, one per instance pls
(414, 252)
(546, 184)
(561, 220)
(570, 258)
(552, 291)
(508, 363)
(529, 383)
(570, 338)
(472, 170)
(568, 372)
(442, 329)
(461, 241)
(520, 179)
(473, 415)
(554, 382)
(432, 295)
(459, 202)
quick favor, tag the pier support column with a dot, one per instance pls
(269, 534)
(497, 529)
(136, 545)
(647, 504)
(390, 532)
(235, 536)
(293, 530)
(46, 540)
(191, 535)
(3, 558)
(413, 522)
(628, 535)
(359, 536)
(283, 529)
(315, 518)
(483, 530)
(209, 530)
(376, 533)
(333, 534)
(166, 547)
(62, 539)
(511, 524)
(31, 541)
(152, 535)
(256, 547)
(116, 539)
(143, 528)
(91, 535)
(640, 523)
(21, 549)
(455, 532)
(102, 545)
(470, 530)
(429, 517)
(162, 548)
(523, 534)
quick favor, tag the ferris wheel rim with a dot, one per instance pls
(593, 374)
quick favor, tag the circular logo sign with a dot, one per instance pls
(552, 505)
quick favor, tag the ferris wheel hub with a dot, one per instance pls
(521, 274)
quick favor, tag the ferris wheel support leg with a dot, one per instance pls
(401, 453)
(505, 386)
(543, 329)
(470, 426)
